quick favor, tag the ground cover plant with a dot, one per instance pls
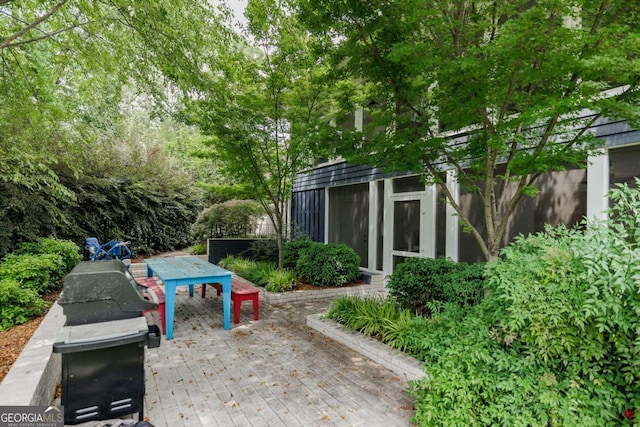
(556, 342)
(34, 270)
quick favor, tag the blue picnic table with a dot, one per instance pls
(189, 270)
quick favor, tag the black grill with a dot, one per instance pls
(101, 291)
(102, 343)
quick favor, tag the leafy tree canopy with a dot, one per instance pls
(512, 76)
(64, 63)
(264, 106)
(82, 87)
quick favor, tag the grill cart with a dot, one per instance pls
(102, 342)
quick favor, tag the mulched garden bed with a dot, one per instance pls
(13, 340)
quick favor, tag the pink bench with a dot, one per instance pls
(240, 291)
(158, 296)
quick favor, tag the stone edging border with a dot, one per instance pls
(310, 295)
(402, 365)
(33, 377)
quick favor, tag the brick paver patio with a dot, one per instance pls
(273, 372)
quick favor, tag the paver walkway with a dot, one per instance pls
(272, 372)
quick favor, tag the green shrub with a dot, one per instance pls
(477, 379)
(465, 285)
(328, 265)
(114, 197)
(41, 273)
(262, 250)
(610, 256)
(234, 218)
(423, 285)
(417, 281)
(68, 251)
(280, 281)
(555, 343)
(198, 249)
(490, 365)
(539, 289)
(18, 304)
(292, 251)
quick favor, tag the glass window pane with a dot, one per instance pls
(406, 227)
(624, 166)
(407, 184)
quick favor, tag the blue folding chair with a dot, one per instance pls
(114, 249)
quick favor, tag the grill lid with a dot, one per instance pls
(97, 291)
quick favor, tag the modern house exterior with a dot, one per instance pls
(386, 217)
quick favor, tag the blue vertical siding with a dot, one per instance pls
(307, 217)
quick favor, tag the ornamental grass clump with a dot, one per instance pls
(257, 272)
(374, 316)
(280, 281)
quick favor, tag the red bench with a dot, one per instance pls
(240, 291)
(156, 295)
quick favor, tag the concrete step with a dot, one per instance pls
(138, 269)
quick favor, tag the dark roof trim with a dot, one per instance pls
(614, 132)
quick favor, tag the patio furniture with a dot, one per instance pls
(113, 249)
(240, 291)
(189, 271)
(157, 295)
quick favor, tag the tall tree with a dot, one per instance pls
(264, 108)
(63, 64)
(512, 77)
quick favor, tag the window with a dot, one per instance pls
(408, 184)
(406, 227)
